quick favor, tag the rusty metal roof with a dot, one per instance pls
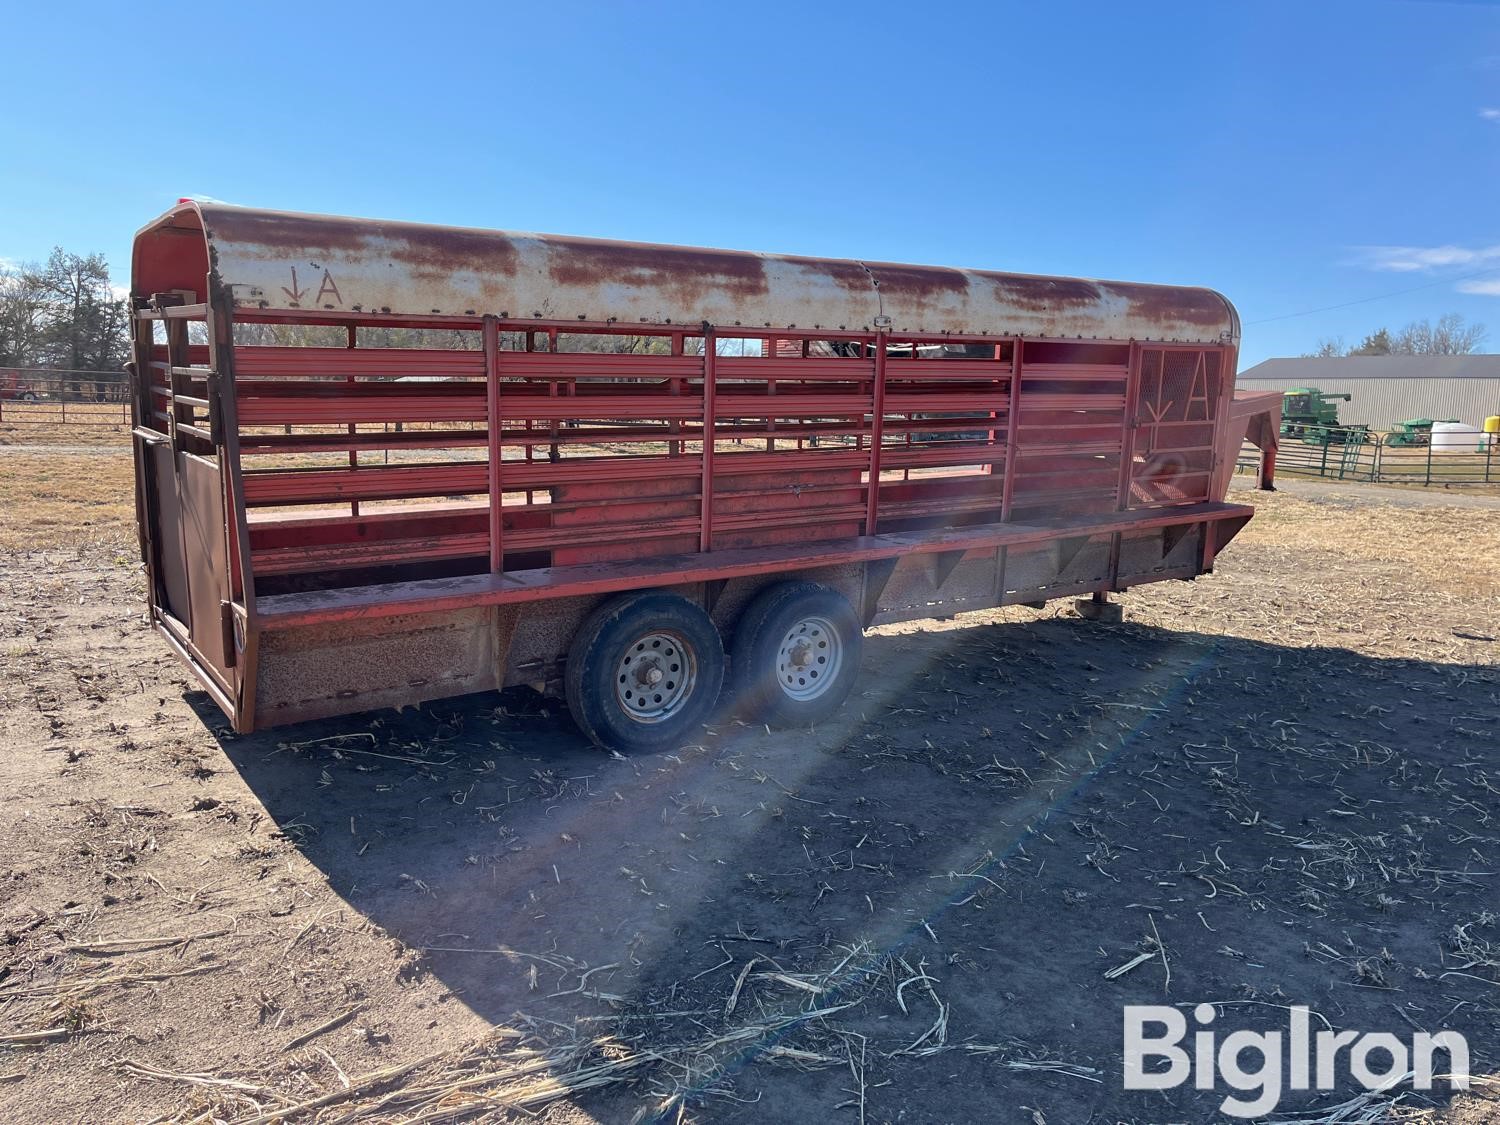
(280, 260)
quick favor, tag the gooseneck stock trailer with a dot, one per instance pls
(379, 463)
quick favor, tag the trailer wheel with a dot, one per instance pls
(796, 654)
(643, 672)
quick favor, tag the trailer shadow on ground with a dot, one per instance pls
(1002, 816)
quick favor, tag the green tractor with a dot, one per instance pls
(1414, 431)
(1310, 414)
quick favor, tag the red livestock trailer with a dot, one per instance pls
(379, 463)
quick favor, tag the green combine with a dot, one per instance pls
(1414, 431)
(1311, 415)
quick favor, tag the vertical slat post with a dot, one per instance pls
(177, 357)
(220, 331)
(674, 388)
(554, 390)
(996, 354)
(1133, 378)
(1012, 420)
(493, 424)
(351, 340)
(710, 409)
(142, 335)
(877, 435)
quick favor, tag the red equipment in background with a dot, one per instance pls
(15, 384)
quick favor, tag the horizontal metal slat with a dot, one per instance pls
(330, 411)
(787, 460)
(976, 384)
(790, 405)
(254, 444)
(798, 517)
(938, 456)
(265, 487)
(346, 556)
(1028, 448)
(562, 408)
(1072, 371)
(1031, 400)
(1052, 497)
(531, 475)
(265, 360)
(793, 367)
(544, 538)
(292, 403)
(902, 403)
(604, 365)
(938, 506)
(898, 426)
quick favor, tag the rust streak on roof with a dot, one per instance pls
(279, 260)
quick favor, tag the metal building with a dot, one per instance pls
(1387, 389)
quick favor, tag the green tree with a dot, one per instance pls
(1376, 343)
(84, 326)
(22, 305)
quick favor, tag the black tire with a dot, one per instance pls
(28, 396)
(608, 688)
(785, 644)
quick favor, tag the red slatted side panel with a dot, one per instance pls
(1069, 430)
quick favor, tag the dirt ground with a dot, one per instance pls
(1278, 785)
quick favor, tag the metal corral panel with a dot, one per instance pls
(1390, 389)
(277, 261)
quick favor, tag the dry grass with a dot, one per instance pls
(66, 499)
(1421, 540)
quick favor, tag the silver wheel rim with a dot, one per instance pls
(655, 677)
(809, 658)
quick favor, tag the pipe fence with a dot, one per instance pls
(50, 396)
(1471, 458)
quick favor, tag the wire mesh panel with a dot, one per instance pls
(1180, 396)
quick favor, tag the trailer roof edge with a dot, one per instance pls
(285, 261)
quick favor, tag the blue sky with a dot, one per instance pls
(1294, 155)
